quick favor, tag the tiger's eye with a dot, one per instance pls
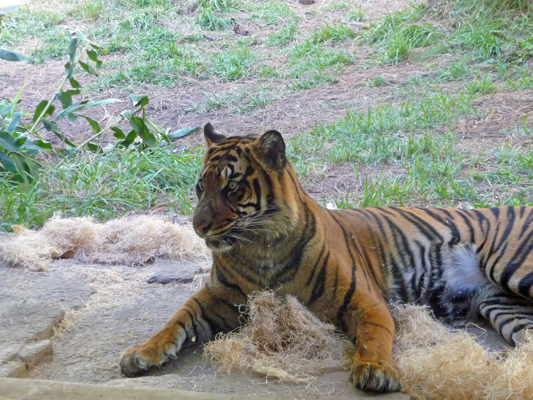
(232, 185)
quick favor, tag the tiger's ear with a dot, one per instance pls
(271, 150)
(212, 135)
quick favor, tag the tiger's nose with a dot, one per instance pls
(202, 228)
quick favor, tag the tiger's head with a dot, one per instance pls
(243, 191)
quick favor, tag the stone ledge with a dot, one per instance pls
(30, 355)
(30, 389)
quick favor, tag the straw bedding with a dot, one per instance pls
(129, 241)
(282, 339)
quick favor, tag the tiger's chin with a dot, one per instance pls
(221, 244)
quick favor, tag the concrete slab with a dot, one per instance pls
(30, 389)
(115, 308)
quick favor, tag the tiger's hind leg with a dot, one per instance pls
(509, 314)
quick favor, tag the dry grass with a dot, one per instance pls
(129, 241)
(439, 364)
(282, 341)
(67, 323)
(286, 342)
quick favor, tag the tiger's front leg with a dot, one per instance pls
(200, 318)
(373, 368)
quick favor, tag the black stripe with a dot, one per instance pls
(292, 265)
(350, 292)
(524, 287)
(456, 235)
(223, 280)
(425, 228)
(510, 224)
(215, 328)
(193, 325)
(480, 219)
(518, 259)
(314, 269)
(466, 218)
(379, 326)
(495, 264)
(320, 282)
(526, 223)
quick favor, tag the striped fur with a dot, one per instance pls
(344, 265)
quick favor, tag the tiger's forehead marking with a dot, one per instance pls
(228, 159)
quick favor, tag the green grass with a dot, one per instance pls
(209, 20)
(336, 33)
(103, 186)
(356, 15)
(233, 65)
(271, 13)
(314, 64)
(483, 86)
(284, 35)
(412, 145)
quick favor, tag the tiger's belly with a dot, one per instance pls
(448, 286)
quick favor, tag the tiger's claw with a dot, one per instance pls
(371, 377)
(140, 359)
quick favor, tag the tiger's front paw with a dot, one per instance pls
(139, 359)
(374, 377)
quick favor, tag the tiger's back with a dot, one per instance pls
(345, 265)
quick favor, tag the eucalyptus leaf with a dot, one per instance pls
(182, 132)
(14, 122)
(40, 108)
(11, 55)
(9, 9)
(139, 100)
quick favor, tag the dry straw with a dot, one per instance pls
(129, 241)
(285, 341)
(282, 341)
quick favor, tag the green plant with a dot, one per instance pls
(208, 20)
(335, 33)
(284, 35)
(357, 15)
(20, 142)
(481, 86)
(234, 64)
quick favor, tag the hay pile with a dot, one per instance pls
(282, 341)
(129, 241)
(286, 342)
(437, 363)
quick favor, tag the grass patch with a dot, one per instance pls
(103, 186)
(233, 65)
(284, 35)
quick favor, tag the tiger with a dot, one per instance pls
(345, 266)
